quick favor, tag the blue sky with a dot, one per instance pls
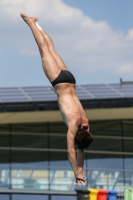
(94, 38)
(118, 13)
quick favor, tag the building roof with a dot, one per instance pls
(46, 93)
(92, 96)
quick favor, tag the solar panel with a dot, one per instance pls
(46, 93)
(14, 100)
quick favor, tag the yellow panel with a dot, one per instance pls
(59, 174)
(40, 173)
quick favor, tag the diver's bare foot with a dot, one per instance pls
(27, 18)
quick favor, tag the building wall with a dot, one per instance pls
(34, 156)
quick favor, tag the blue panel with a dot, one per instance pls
(29, 197)
(43, 99)
(57, 197)
(11, 93)
(14, 99)
(106, 95)
(4, 197)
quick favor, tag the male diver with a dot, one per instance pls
(70, 107)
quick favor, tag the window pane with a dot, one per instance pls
(29, 140)
(128, 147)
(61, 174)
(58, 127)
(33, 178)
(4, 135)
(128, 161)
(56, 197)
(29, 169)
(106, 144)
(106, 128)
(4, 169)
(30, 128)
(59, 159)
(26, 157)
(103, 160)
(4, 197)
(105, 179)
(29, 197)
(4, 128)
(128, 135)
(105, 171)
(128, 144)
(129, 176)
(127, 128)
(107, 135)
(58, 141)
(62, 180)
(4, 139)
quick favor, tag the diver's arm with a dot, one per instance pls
(80, 162)
(77, 169)
(71, 151)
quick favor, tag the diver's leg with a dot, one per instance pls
(50, 43)
(49, 63)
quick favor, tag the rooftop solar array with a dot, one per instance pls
(46, 93)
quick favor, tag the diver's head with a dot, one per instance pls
(83, 138)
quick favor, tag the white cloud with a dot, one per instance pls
(79, 39)
(125, 68)
(130, 35)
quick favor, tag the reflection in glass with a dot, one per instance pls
(29, 169)
(33, 167)
(62, 180)
(4, 169)
(103, 160)
(37, 179)
(128, 162)
(129, 177)
(105, 171)
(104, 179)
(29, 197)
(61, 174)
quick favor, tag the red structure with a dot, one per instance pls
(102, 195)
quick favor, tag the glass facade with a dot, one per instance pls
(34, 157)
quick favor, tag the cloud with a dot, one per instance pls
(126, 68)
(81, 41)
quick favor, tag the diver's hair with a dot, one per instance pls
(83, 138)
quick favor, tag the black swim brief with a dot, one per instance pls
(64, 77)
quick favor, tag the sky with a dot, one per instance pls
(94, 38)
